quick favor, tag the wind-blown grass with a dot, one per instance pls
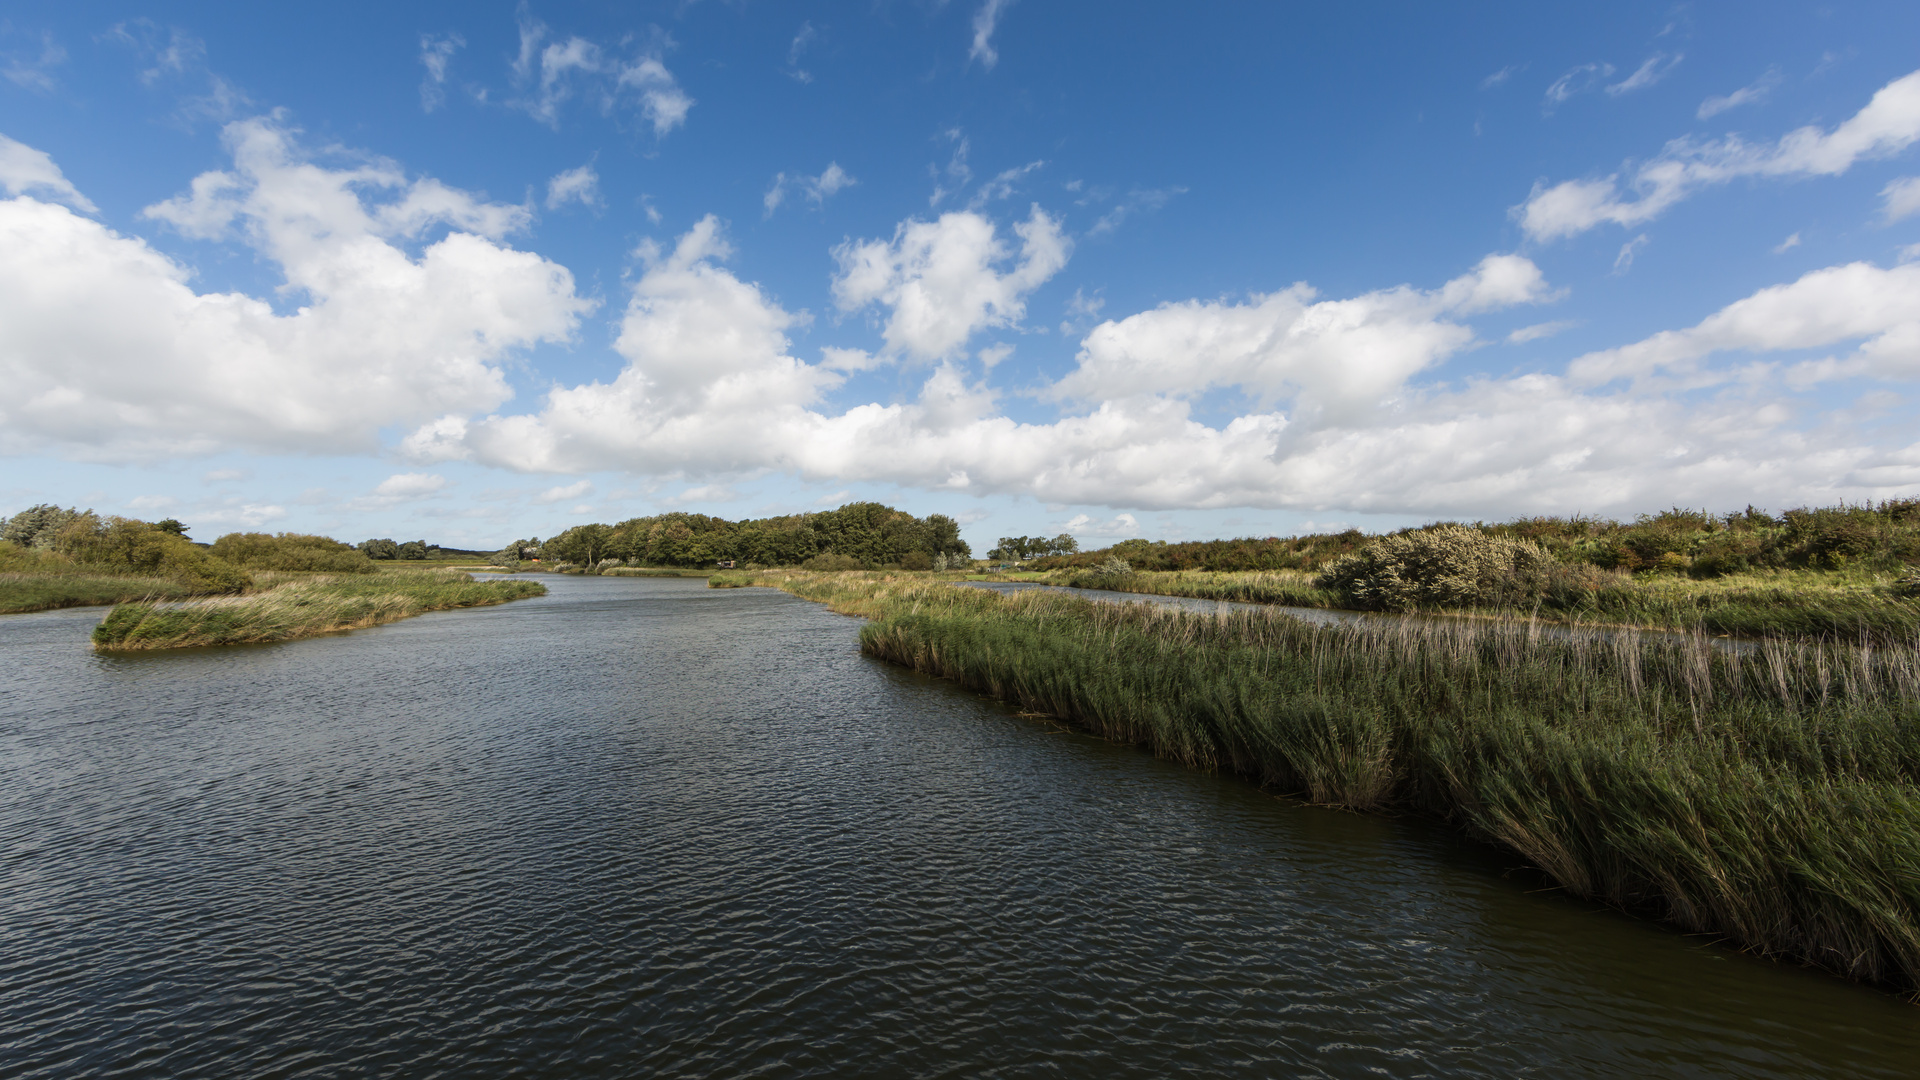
(299, 607)
(44, 592)
(1768, 603)
(1770, 795)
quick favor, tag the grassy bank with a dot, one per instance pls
(1846, 604)
(300, 606)
(1772, 798)
(44, 592)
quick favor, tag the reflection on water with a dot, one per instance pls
(642, 828)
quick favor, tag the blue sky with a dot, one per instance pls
(472, 272)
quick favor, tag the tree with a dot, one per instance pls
(38, 526)
(582, 544)
(380, 549)
(291, 551)
(171, 525)
(413, 549)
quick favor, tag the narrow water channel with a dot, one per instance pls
(642, 828)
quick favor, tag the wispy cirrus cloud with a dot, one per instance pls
(436, 53)
(1885, 126)
(815, 189)
(1753, 93)
(550, 71)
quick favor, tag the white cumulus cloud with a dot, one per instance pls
(1343, 411)
(410, 485)
(581, 185)
(1329, 355)
(941, 280)
(26, 171)
(106, 351)
(1901, 198)
(1837, 304)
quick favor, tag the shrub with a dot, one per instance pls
(124, 545)
(291, 551)
(916, 560)
(1444, 566)
(38, 526)
(831, 561)
(20, 559)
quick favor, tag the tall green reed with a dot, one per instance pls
(1768, 794)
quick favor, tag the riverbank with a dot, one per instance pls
(1771, 799)
(1844, 605)
(299, 606)
(46, 592)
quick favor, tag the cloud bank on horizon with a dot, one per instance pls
(311, 297)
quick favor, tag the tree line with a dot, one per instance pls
(1022, 548)
(862, 535)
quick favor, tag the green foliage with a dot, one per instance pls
(380, 549)
(171, 525)
(1446, 566)
(413, 549)
(868, 534)
(124, 545)
(1679, 541)
(832, 562)
(38, 526)
(1022, 548)
(1246, 554)
(292, 551)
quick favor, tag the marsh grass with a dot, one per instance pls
(1844, 605)
(1768, 795)
(299, 605)
(43, 592)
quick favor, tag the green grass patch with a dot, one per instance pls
(1771, 796)
(44, 592)
(1846, 605)
(298, 606)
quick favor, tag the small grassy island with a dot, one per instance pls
(296, 606)
(244, 587)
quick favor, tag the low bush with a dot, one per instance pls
(1446, 566)
(124, 545)
(292, 551)
(830, 561)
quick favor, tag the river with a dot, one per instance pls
(642, 828)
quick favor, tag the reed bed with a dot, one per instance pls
(44, 592)
(298, 606)
(1769, 795)
(1780, 603)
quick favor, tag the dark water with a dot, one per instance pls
(641, 828)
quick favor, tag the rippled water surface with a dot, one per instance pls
(642, 828)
